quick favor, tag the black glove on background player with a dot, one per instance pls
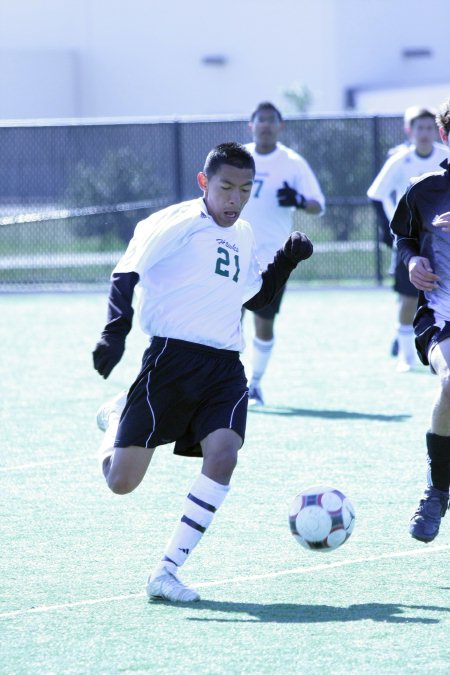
(288, 196)
(298, 247)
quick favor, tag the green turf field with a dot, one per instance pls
(74, 557)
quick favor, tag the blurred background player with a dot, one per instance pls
(422, 154)
(421, 225)
(383, 222)
(283, 182)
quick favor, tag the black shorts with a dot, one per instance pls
(402, 284)
(428, 333)
(269, 311)
(183, 392)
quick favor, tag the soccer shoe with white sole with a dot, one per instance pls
(403, 366)
(426, 521)
(115, 405)
(167, 586)
(255, 397)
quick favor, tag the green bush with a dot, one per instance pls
(121, 177)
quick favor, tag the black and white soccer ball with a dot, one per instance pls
(321, 518)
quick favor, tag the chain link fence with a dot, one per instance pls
(72, 193)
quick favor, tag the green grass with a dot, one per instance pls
(75, 556)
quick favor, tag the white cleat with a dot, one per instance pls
(404, 366)
(167, 586)
(114, 405)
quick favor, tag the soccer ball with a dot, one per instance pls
(321, 518)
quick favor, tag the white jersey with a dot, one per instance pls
(194, 275)
(271, 223)
(395, 176)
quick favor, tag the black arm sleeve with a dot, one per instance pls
(120, 310)
(405, 228)
(274, 278)
(382, 223)
(111, 346)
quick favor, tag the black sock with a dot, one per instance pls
(439, 460)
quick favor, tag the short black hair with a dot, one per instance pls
(416, 112)
(231, 153)
(443, 116)
(266, 105)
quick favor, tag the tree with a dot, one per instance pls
(299, 96)
(122, 178)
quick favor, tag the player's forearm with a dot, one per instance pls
(407, 248)
(296, 248)
(273, 280)
(120, 310)
(312, 207)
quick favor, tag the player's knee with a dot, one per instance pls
(229, 459)
(221, 465)
(445, 387)
(120, 484)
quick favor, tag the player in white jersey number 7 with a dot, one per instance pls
(284, 182)
(193, 266)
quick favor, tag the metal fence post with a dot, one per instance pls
(177, 162)
(376, 167)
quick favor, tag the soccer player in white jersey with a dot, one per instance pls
(284, 181)
(421, 226)
(193, 266)
(422, 155)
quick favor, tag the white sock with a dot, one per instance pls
(262, 351)
(202, 502)
(106, 448)
(406, 345)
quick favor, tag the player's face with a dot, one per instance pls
(226, 193)
(423, 134)
(266, 128)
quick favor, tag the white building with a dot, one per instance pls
(103, 58)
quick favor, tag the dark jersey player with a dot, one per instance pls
(421, 227)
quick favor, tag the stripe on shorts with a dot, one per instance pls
(148, 394)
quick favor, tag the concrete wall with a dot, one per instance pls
(93, 58)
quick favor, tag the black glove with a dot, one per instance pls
(297, 247)
(108, 352)
(287, 196)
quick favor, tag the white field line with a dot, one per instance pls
(233, 580)
(58, 260)
(37, 465)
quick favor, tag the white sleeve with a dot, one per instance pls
(151, 242)
(307, 183)
(385, 185)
